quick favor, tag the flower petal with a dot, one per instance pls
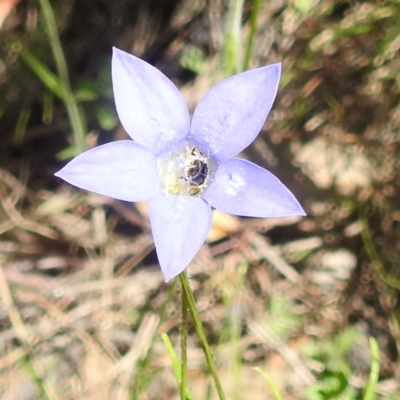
(150, 107)
(232, 113)
(180, 225)
(242, 188)
(123, 170)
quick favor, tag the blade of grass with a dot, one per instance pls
(172, 355)
(270, 383)
(232, 44)
(78, 126)
(175, 363)
(374, 374)
(48, 103)
(255, 11)
(373, 255)
(50, 80)
(20, 127)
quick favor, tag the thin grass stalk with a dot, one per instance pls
(201, 334)
(233, 44)
(373, 255)
(255, 11)
(77, 124)
(270, 383)
(176, 365)
(374, 374)
(184, 331)
(22, 122)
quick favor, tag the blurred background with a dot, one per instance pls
(83, 302)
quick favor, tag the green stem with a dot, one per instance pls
(374, 374)
(270, 382)
(22, 121)
(201, 334)
(184, 346)
(373, 255)
(253, 29)
(232, 43)
(78, 127)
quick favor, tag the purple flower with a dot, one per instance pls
(183, 169)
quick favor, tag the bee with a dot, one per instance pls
(195, 171)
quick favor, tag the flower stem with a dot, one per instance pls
(200, 333)
(183, 382)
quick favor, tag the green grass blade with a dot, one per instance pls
(176, 366)
(255, 11)
(374, 374)
(270, 383)
(232, 44)
(172, 355)
(22, 122)
(50, 80)
(48, 108)
(77, 124)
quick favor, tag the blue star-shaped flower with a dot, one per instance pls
(183, 169)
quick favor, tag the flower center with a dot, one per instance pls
(185, 171)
